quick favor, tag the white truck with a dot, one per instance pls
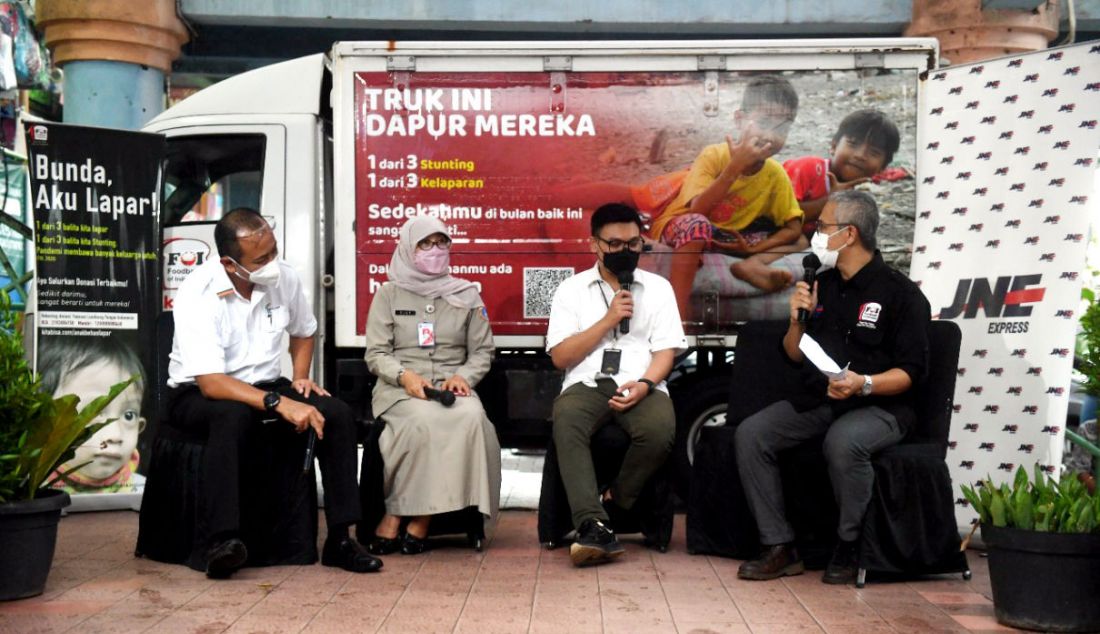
(511, 144)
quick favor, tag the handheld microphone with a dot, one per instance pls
(446, 397)
(810, 264)
(311, 443)
(626, 278)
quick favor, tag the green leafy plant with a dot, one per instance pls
(38, 433)
(1088, 357)
(1039, 504)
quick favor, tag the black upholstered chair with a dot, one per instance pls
(651, 515)
(278, 501)
(910, 525)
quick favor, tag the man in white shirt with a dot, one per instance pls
(615, 331)
(224, 379)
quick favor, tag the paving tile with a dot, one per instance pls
(980, 622)
(711, 627)
(955, 598)
(96, 585)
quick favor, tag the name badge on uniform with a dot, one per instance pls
(610, 363)
(425, 334)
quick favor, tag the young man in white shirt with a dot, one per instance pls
(224, 376)
(615, 330)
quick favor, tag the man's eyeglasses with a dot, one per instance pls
(613, 245)
(833, 224)
(437, 243)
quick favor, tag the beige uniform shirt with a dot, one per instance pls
(463, 342)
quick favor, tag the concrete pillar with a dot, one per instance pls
(967, 33)
(114, 55)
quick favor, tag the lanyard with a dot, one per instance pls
(615, 328)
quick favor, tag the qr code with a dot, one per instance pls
(539, 285)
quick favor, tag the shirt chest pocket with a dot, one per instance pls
(275, 319)
(865, 337)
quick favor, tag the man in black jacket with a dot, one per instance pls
(873, 321)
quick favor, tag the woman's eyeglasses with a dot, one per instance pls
(438, 243)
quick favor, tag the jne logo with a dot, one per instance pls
(869, 314)
(1004, 298)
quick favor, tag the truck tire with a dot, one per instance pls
(698, 404)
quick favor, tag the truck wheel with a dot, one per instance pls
(698, 404)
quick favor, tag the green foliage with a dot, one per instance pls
(37, 432)
(1038, 504)
(1089, 358)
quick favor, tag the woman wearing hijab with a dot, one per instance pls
(427, 329)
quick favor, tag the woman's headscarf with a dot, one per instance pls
(403, 271)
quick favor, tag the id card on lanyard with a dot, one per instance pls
(425, 334)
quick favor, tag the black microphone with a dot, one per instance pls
(810, 264)
(446, 397)
(311, 443)
(626, 278)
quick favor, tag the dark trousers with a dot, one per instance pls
(581, 410)
(850, 441)
(230, 425)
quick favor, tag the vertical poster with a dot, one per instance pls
(1005, 199)
(95, 199)
(13, 252)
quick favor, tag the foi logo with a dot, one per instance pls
(181, 256)
(1004, 298)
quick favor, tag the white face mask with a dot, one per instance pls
(267, 275)
(819, 244)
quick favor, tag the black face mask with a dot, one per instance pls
(620, 262)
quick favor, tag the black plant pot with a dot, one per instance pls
(28, 535)
(1044, 581)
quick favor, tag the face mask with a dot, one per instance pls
(434, 261)
(624, 261)
(267, 275)
(819, 244)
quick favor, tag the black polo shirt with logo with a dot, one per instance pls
(875, 321)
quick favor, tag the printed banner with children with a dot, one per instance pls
(95, 198)
(730, 172)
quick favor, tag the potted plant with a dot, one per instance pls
(1043, 538)
(38, 434)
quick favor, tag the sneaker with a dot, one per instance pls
(844, 565)
(780, 560)
(595, 544)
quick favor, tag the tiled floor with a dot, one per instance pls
(96, 585)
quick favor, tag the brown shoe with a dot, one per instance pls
(776, 561)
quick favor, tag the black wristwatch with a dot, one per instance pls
(271, 401)
(651, 384)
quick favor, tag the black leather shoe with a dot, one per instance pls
(413, 545)
(776, 561)
(384, 545)
(350, 555)
(225, 558)
(844, 564)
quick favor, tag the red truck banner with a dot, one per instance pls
(1006, 199)
(515, 163)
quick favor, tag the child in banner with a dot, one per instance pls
(737, 199)
(864, 144)
(88, 367)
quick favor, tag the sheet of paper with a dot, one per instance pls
(821, 359)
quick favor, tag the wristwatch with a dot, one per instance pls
(271, 401)
(868, 385)
(651, 384)
(400, 373)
